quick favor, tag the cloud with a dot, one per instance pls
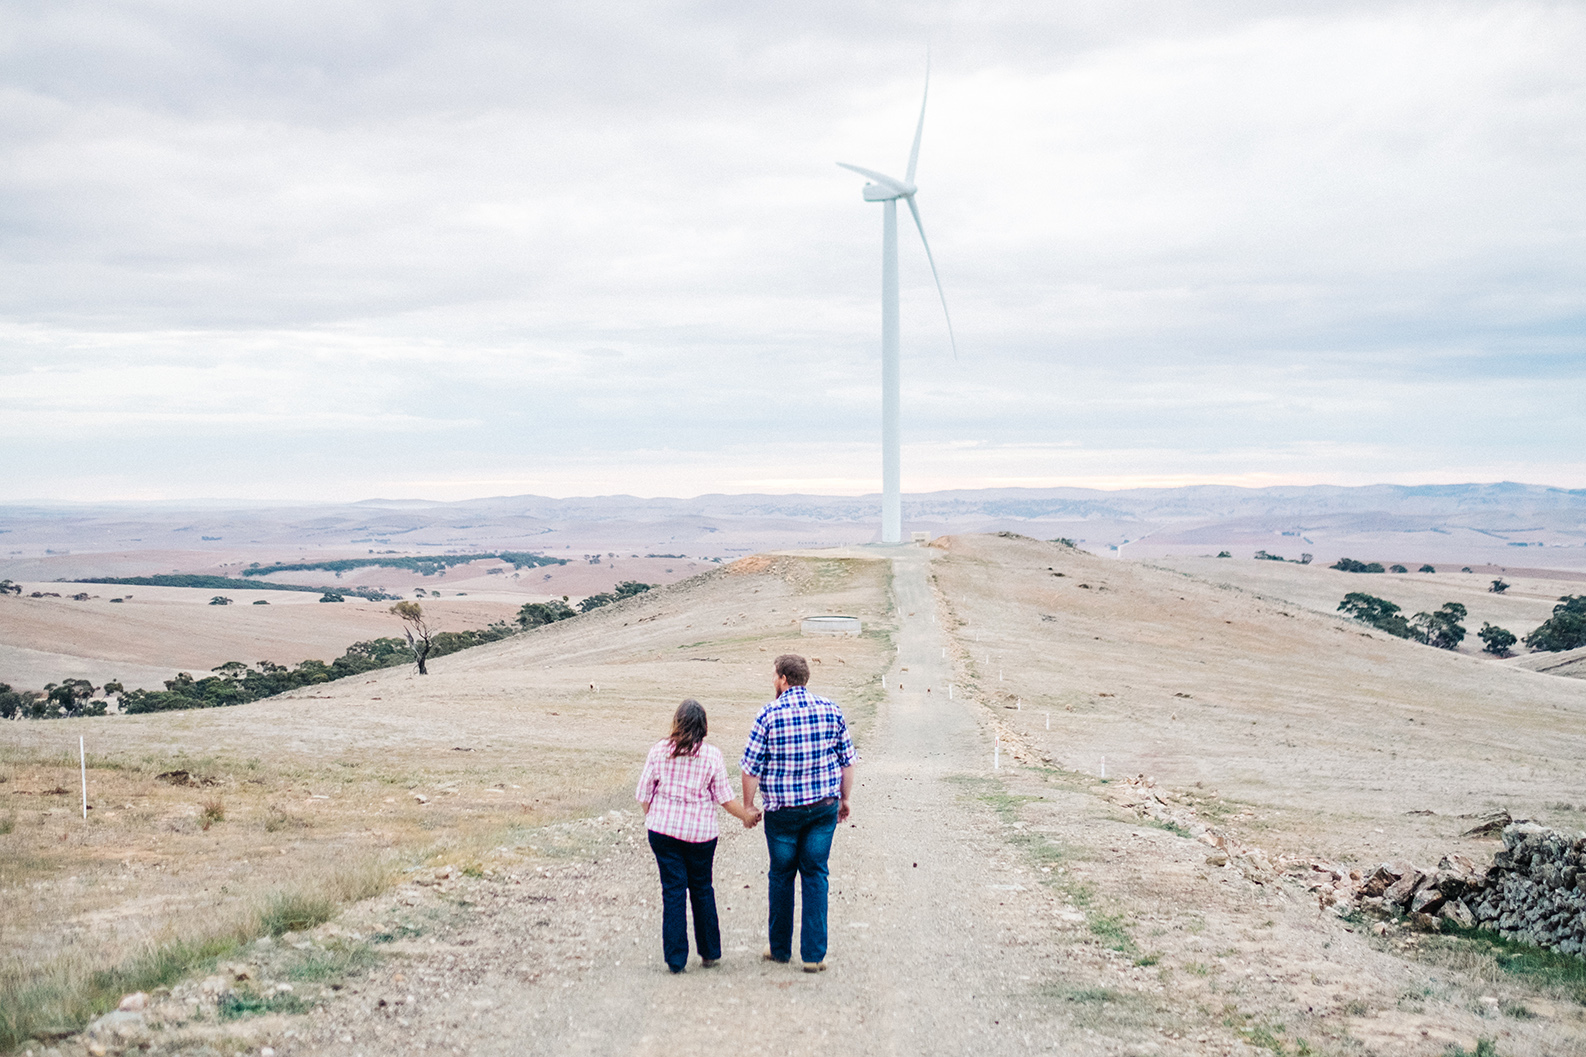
(557, 240)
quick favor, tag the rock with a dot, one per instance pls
(1427, 901)
(1217, 858)
(1489, 825)
(1424, 922)
(214, 985)
(445, 873)
(1456, 911)
(134, 1003)
(1400, 891)
(267, 1051)
(1384, 876)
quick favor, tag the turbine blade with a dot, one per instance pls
(939, 291)
(919, 130)
(881, 178)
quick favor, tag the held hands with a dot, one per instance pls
(752, 817)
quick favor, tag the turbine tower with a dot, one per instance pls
(887, 190)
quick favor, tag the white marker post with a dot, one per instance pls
(82, 758)
(949, 691)
(1049, 721)
(996, 755)
(1018, 704)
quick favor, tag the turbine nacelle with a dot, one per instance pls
(878, 193)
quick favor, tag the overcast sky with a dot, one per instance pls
(334, 250)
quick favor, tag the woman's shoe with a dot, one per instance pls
(815, 967)
(708, 962)
(769, 957)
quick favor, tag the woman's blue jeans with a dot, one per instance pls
(686, 872)
(799, 840)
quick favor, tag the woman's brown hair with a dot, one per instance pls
(688, 728)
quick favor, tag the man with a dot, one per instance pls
(801, 761)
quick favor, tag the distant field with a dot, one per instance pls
(158, 631)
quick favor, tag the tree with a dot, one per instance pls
(1349, 565)
(68, 699)
(1220, 554)
(9, 588)
(220, 600)
(1442, 628)
(1498, 587)
(1564, 630)
(1378, 612)
(417, 629)
(1499, 642)
(1426, 569)
(534, 614)
(13, 703)
(1398, 569)
(332, 596)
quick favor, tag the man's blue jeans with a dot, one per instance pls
(799, 840)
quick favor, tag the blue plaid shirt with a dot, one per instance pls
(798, 747)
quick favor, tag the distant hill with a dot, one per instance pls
(1502, 523)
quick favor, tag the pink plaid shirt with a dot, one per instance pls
(683, 792)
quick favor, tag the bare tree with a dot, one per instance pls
(417, 630)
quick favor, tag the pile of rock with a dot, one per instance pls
(1534, 891)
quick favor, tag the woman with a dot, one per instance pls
(683, 781)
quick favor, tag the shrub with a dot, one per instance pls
(1426, 569)
(534, 614)
(1349, 565)
(1224, 554)
(1378, 612)
(1397, 569)
(1263, 556)
(1565, 629)
(1442, 628)
(626, 589)
(1498, 587)
(220, 600)
(214, 810)
(332, 596)
(1499, 642)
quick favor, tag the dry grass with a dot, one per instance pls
(291, 807)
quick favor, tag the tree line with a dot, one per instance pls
(1564, 630)
(236, 683)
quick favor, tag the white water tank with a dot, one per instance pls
(830, 625)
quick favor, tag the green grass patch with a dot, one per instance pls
(332, 963)
(295, 912)
(1112, 932)
(65, 999)
(1147, 959)
(1484, 1048)
(1089, 994)
(234, 1005)
(1534, 965)
(1172, 827)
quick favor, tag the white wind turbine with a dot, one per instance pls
(887, 190)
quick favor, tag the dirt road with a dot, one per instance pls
(922, 909)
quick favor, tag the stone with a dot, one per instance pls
(1400, 891)
(134, 1003)
(1456, 911)
(445, 873)
(214, 985)
(1424, 922)
(1217, 858)
(1427, 901)
(1383, 876)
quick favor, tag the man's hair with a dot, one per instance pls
(688, 728)
(793, 668)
